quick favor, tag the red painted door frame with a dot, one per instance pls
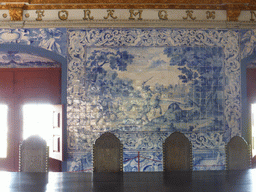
(21, 86)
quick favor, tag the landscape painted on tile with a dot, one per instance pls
(155, 89)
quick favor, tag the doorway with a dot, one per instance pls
(253, 125)
(3, 130)
(251, 103)
(34, 124)
(18, 87)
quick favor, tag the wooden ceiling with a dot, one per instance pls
(130, 4)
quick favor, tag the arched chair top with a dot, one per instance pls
(177, 153)
(237, 154)
(107, 140)
(34, 141)
(178, 138)
(34, 155)
(237, 141)
(107, 154)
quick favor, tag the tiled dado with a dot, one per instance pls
(143, 150)
(150, 161)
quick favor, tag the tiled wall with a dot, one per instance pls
(144, 84)
(51, 39)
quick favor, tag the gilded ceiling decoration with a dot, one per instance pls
(133, 4)
(233, 8)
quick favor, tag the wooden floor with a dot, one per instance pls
(205, 181)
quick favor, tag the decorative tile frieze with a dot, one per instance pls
(51, 39)
(137, 161)
(248, 42)
(209, 160)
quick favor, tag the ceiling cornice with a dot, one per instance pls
(233, 8)
(133, 4)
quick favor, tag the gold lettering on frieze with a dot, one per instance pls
(87, 15)
(210, 14)
(162, 15)
(63, 15)
(189, 15)
(253, 15)
(133, 14)
(40, 14)
(110, 14)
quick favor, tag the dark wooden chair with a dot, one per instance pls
(237, 154)
(34, 155)
(177, 153)
(107, 154)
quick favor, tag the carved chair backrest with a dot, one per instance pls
(34, 155)
(107, 154)
(237, 154)
(177, 153)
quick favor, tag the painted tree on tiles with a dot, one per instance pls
(102, 82)
(97, 73)
(202, 70)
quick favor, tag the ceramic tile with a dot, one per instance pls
(158, 82)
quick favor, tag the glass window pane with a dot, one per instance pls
(253, 122)
(38, 120)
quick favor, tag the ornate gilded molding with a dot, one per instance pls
(127, 17)
(233, 11)
(16, 1)
(233, 14)
(137, 9)
(133, 4)
(16, 11)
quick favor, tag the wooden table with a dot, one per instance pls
(206, 181)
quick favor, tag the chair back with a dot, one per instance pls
(107, 154)
(34, 155)
(177, 153)
(237, 154)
